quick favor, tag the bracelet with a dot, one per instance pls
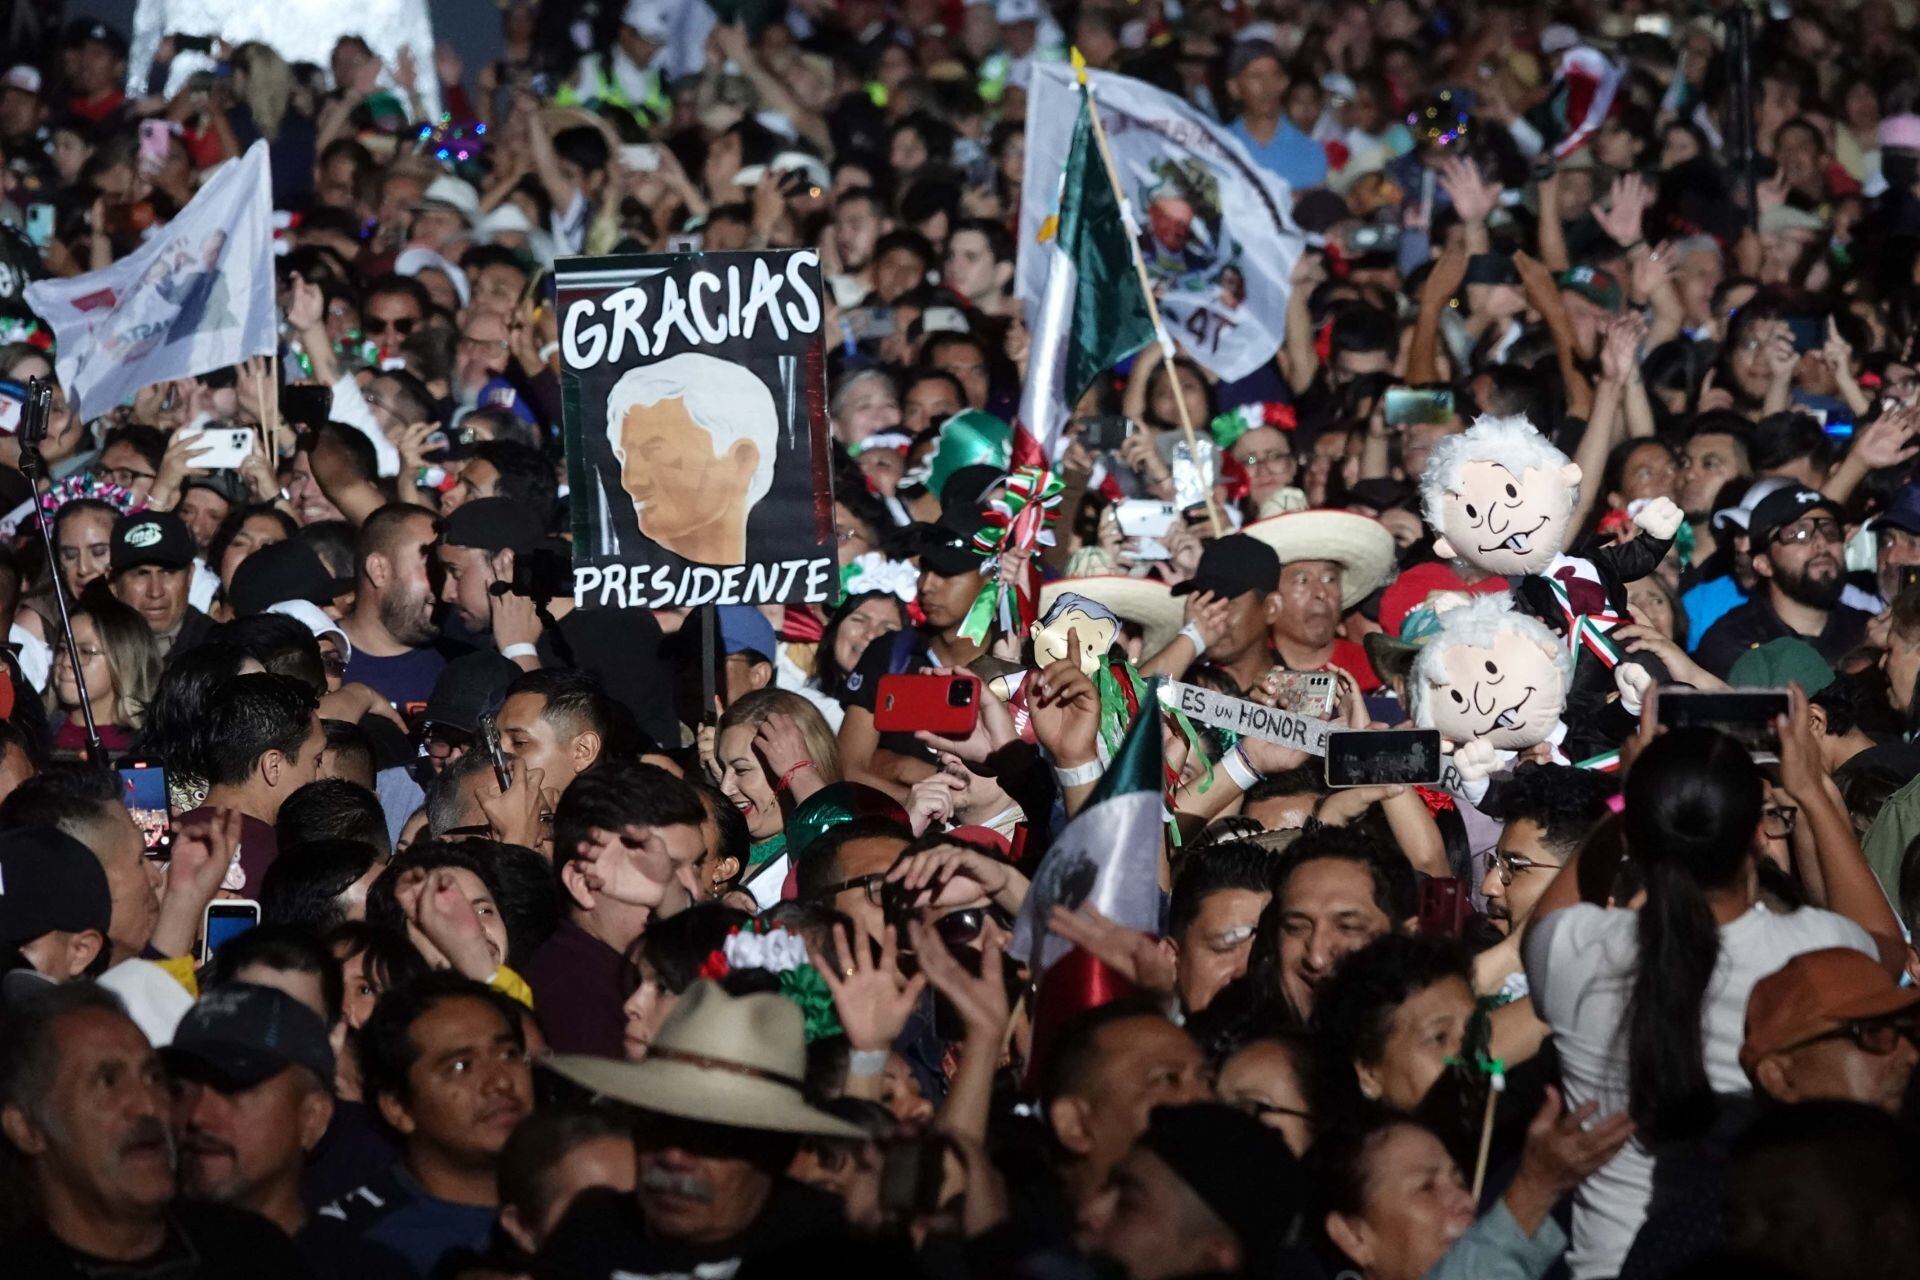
(1192, 632)
(546, 352)
(521, 650)
(1243, 774)
(866, 1062)
(787, 778)
(1080, 775)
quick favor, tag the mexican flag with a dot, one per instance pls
(1109, 856)
(1092, 314)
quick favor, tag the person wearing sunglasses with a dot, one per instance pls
(1832, 1024)
(958, 884)
(1798, 544)
(395, 307)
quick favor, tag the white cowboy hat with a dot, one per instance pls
(727, 1060)
(1148, 604)
(1360, 545)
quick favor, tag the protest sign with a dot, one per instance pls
(694, 408)
(197, 296)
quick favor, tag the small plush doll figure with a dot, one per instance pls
(1096, 627)
(1500, 497)
(1493, 681)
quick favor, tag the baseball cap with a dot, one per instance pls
(150, 537)
(50, 882)
(449, 192)
(1595, 285)
(492, 524)
(279, 571)
(1246, 52)
(98, 33)
(1781, 508)
(1240, 1168)
(466, 687)
(1814, 993)
(1903, 512)
(1773, 664)
(1738, 516)
(1232, 566)
(227, 484)
(315, 619)
(948, 550)
(241, 1034)
(744, 628)
(22, 77)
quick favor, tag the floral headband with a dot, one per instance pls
(783, 954)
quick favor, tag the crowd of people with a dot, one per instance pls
(580, 941)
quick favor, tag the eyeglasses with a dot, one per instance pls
(959, 928)
(1880, 1036)
(844, 536)
(1510, 865)
(86, 654)
(872, 884)
(125, 477)
(402, 325)
(1261, 1110)
(1271, 458)
(1778, 820)
(1823, 529)
(481, 344)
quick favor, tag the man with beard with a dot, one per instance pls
(1896, 543)
(859, 220)
(391, 625)
(83, 1104)
(1709, 601)
(1715, 453)
(1796, 537)
(1549, 811)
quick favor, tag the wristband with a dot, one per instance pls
(521, 650)
(787, 778)
(546, 352)
(1192, 632)
(1080, 775)
(866, 1062)
(1243, 774)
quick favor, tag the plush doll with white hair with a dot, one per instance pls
(1493, 681)
(1501, 497)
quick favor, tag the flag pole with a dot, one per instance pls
(1146, 287)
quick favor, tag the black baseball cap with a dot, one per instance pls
(1240, 1168)
(948, 549)
(151, 537)
(81, 32)
(241, 1034)
(1232, 566)
(467, 686)
(289, 570)
(1781, 508)
(50, 882)
(493, 524)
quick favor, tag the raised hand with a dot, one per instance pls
(1472, 195)
(1065, 709)
(447, 919)
(872, 998)
(1626, 209)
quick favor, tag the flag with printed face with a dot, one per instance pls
(197, 296)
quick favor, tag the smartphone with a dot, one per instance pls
(1144, 522)
(687, 242)
(1108, 431)
(1444, 906)
(866, 324)
(40, 225)
(225, 920)
(193, 44)
(1305, 693)
(490, 739)
(640, 157)
(221, 448)
(1383, 757)
(1809, 332)
(943, 320)
(1406, 406)
(1745, 715)
(13, 403)
(156, 140)
(306, 406)
(912, 1171)
(946, 705)
(143, 789)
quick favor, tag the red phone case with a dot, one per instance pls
(903, 704)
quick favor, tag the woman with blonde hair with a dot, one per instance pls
(772, 750)
(121, 664)
(264, 107)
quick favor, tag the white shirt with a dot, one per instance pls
(1580, 963)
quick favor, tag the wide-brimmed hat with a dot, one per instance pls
(1148, 604)
(1359, 544)
(737, 1061)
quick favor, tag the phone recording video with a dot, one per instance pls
(946, 705)
(1409, 406)
(1383, 757)
(143, 789)
(1745, 715)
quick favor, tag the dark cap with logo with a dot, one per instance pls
(493, 524)
(151, 537)
(466, 687)
(1781, 508)
(280, 571)
(50, 882)
(948, 549)
(240, 1034)
(1232, 566)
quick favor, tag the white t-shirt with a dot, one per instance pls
(1580, 964)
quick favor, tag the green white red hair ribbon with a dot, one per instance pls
(1228, 427)
(1019, 518)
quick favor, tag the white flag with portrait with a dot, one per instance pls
(197, 296)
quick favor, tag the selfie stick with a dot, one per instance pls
(33, 429)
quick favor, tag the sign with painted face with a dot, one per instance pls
(694, 416)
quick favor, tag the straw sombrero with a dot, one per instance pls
(727, 1060)
(1148, 604)
(1360, 545)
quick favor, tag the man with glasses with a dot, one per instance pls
(130, 456)
(1798, 545)
(1550, 810)
(1832, 1024)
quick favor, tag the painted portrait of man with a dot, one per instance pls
(696, 439)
